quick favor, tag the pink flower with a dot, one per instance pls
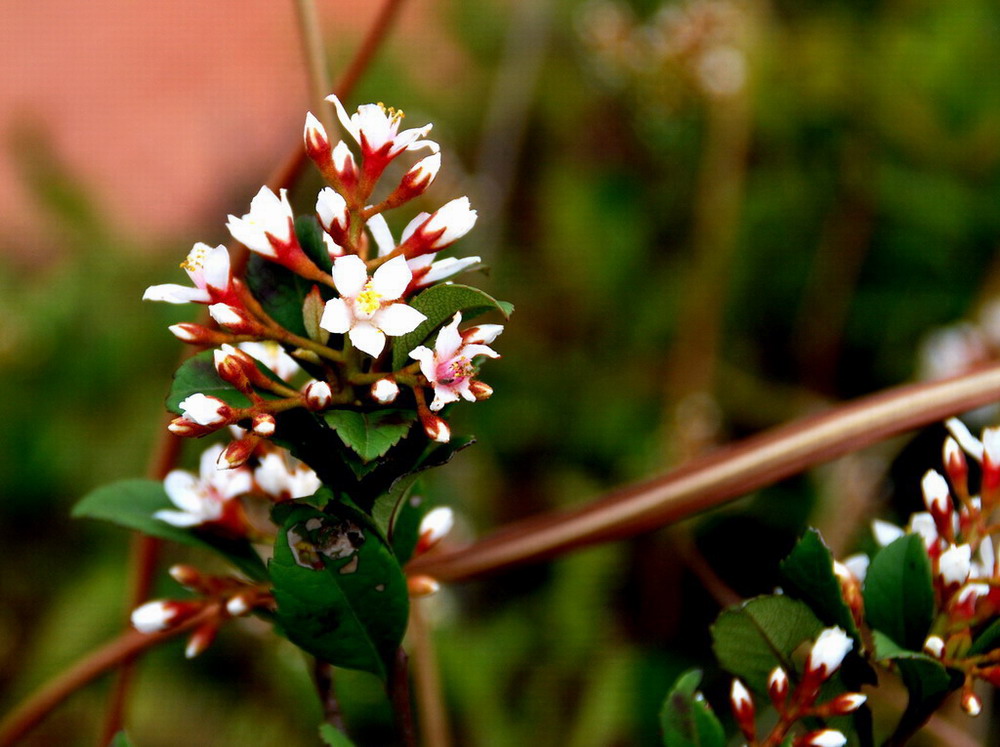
(211, 274)
(449, 366)
(369, 309)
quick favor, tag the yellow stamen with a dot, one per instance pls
(195, 259)
(369, 301)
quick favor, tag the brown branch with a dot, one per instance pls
(433, 717)
(718, 477)
(127, 646)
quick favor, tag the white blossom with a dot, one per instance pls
(202, 499)
(449, 366)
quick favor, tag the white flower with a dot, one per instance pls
(969, 443)
(376, 129)
(937, 496)
(923, 523)
(934, 646)
(829, 651)
(331, 208)
(368, 308)
(886, 532)
(269, 216)
(152, 617)
(285, 477)
(203, 498)
(272, 355)
(449, 366)
(858, 566)
(433, 528)
(955, 564)
(825, 738)
(208, 269)
(204, 410)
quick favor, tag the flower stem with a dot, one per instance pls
(315, 57)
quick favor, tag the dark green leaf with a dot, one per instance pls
(370, 434)
(341, 594)
(687, 719)
(988, 640)
(807, 574)
(752, 639)
(439, 304)
(899, 593)
(333, 737)
(280, 291)
(197, 375)
(132, 503)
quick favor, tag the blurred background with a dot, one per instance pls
(712, 216)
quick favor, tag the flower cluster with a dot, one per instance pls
(330, 343)
(825, 657)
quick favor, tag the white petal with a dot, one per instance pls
(178, 518)
(443, 394)
(350, 275)
(173, 293)
(972, 445)
(381, 233)
(365, 337)
(331, 208)
(427, 362)
(336, 317)
(413, 225)
(448, 339)
(886, 533)
(207, 467)
(391, 279)
(233, 482)
(397, 319)
(345, 120)
(446, 268)
(181, 487)
(216, 267)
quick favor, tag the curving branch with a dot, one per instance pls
(718, 477)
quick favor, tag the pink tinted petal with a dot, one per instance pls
(391, 279)
(173, 293)
(448, 339)
(382, 235)
(350, 275)
(336, 317)
(367, 338)
(397, 319)
(428, 364)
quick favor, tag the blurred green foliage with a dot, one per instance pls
(867, 216)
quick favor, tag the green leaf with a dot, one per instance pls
(988, 640)
(927, 681)
(333, 737)
(341, 594)
(282, 292)
(751, 640)
(370, 434)
(807, 574)
(439, 304)
(198, 374)
(899, 592)
(132, 503)
(687, 719)
(120, 740)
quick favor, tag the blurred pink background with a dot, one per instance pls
(163, 109)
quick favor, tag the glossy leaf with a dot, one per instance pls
(987, 641)
(899, 593)
(750, 640)
(439, 304)
(686, 718)
(340, 591)
(198, 375)
(132, 503)
(370, 434)
(807, 574)
(333, 737)
(280, 291)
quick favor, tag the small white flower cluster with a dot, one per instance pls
(824, 659)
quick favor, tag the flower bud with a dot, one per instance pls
(480, 389)
(777, 687)
(187, 576)
(827, 654)
(433, 528)
(201, 639)
(344, 166)
(264, 424)
(845, 704)
(822, 738)
(991, 461)
(237, 452)
(971, 703)
(316, 141)
(317, 395)
(421, 585)
(445, 226)
(416, 181)
(956, 465)
(435, 427)
(384, 391)
(937, 498)
(195, 334)
(205, 410)
(240, 604)
(231, 368)
(743, 709)
(162, 614)
(235, 320)
(187, 428)
(934, 646)
(331, 209)
(955, 564)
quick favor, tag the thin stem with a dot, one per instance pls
(427, 681)
(323, 679)
(126, 647)
(399, 694)
(315, 57)
(718, 477)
